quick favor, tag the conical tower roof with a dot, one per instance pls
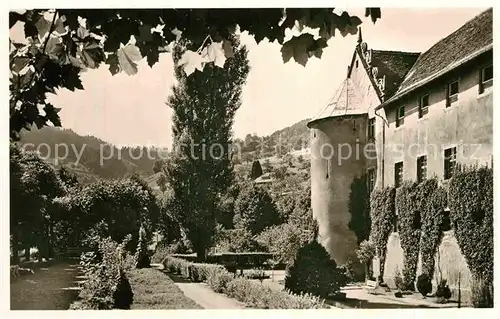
(346, 101)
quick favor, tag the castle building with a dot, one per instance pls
(403, 116)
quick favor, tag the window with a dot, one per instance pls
(452, 93)
(485, 78)
(421, 168)
(423, 106)
(356, 64)
(400, 116)
(370, 179)
(450, 158)
(371, 128)
(398, 174)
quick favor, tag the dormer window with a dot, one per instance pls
(400, 116)
(452, 93)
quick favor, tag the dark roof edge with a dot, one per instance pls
(352, 114)
(434, 76)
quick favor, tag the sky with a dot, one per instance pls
(131, 110)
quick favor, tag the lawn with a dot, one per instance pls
(155, 290)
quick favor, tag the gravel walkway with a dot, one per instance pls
(51, 288)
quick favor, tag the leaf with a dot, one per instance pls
(114, 64)
(59, 25)
(30, 29)
(14, 17)
(54, 48)
(92, 54)
(43, 26)
(216, 54)
(191, 61)
(127, 57)
(19, 64)
(374, 13)
(298, 47)
(82, 32)
(145, 33)
(71, 77)
(227, 46)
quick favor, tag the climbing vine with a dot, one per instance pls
(382, 211)
(408, 206)
(359, 209)
(435, 201)
(471, 205)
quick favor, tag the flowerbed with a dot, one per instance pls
(252, 293)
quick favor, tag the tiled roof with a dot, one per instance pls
(394, 65)
(473, 36)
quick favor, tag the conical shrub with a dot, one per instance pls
(143, 259)
(314, 272)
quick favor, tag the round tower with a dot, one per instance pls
(338, 139)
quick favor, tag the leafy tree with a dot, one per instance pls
(254, 210)
(158, 166)
(67, 177)
(365, 254)
(33, 185)
(200, 169)
(113, 208)
(162, 182)
(59, 46)
(256, 170)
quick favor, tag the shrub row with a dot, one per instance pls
(106, 285)
(253, 294)
(243, 260)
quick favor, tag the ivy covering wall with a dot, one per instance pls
(382, 212)
(421, 218)
(408, 203)
(433, 216)
(471, 205)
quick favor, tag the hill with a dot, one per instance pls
(87, 156)
(287, 140)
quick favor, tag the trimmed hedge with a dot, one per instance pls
(241, 260)
(253, 294)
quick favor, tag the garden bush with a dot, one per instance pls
(314, 272)
(443, 292)
(424, 285)
(106, 286)
(482, 293)
(398, 281)
(252, 293)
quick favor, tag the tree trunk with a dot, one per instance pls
(15, 249)
(27, 252)
(201, 252)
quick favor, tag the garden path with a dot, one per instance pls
(203, 295)
(51, 287)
